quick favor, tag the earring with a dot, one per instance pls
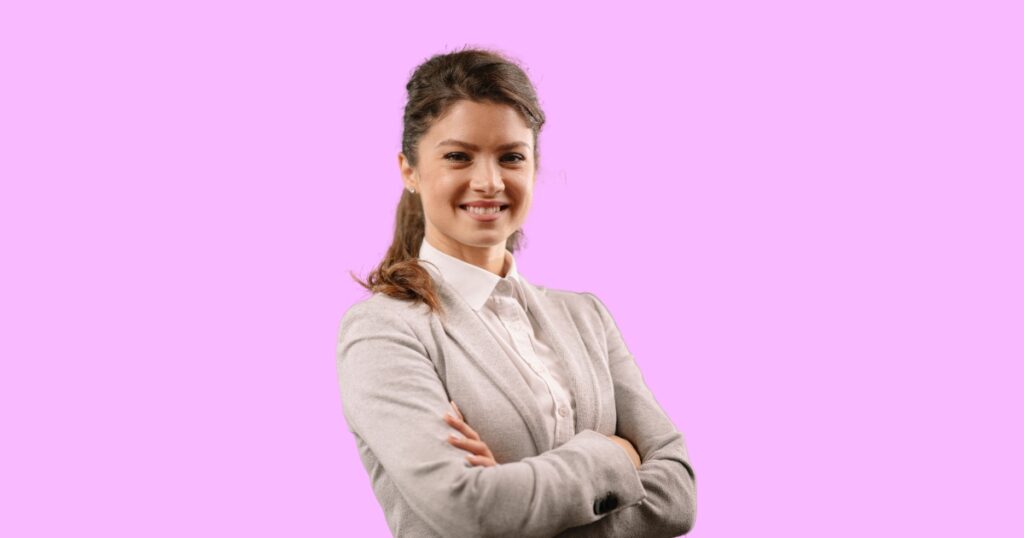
(412, 189)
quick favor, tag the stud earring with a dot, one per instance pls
(412, 189)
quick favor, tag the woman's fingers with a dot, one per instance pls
(460, 425)
(631, 451)
(458, 413)
(480, 453)
(481, 461)
(476, 447)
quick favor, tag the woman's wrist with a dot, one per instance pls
(634, 456)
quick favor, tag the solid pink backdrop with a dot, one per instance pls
(806, 218)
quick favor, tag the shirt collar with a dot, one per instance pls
(474, 284)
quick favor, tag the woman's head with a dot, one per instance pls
(477, 153)
(486, 102)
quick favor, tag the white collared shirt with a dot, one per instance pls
(502, 305)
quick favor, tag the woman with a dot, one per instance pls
(481, 404)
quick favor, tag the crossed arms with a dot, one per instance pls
(393, 399)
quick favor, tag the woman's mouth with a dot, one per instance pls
(484, 214)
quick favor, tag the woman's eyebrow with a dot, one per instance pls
(474, 147)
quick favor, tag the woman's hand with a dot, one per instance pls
(481, 455)
(628, 447)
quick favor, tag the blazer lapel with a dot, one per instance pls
(464, 326)
(560, 330)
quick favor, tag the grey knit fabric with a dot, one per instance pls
(398, 367)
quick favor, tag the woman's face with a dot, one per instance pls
(475, 152)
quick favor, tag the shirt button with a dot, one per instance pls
(563, 411)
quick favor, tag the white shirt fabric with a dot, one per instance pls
(503, 307)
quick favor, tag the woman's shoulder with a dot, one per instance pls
(585, 307)
(383, 308)
(575, 301)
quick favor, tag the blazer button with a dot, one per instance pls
(607, 504)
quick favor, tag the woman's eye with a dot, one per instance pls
(462, 157)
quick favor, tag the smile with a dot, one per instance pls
(484, 214)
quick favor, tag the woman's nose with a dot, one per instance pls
(488, 179)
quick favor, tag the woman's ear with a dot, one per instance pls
(408, 173)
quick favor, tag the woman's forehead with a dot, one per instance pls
(480, 123)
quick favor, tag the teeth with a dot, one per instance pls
(483, 210)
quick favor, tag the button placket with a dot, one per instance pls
(514, 322)
(508, 308)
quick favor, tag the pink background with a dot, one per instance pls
(806, 218)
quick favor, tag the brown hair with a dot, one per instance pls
(475, 74)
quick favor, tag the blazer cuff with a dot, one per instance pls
(616, 485)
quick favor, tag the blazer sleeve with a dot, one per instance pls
(670, 506)
(393, 398)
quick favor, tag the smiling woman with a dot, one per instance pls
(475, 198)
(482, 404)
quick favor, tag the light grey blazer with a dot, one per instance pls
(398, 367)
